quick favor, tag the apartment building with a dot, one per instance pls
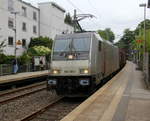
(52, 20)
(19, 16)
(20, 21)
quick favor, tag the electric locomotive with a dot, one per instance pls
(79, 62)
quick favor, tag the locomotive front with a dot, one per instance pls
(70, 65)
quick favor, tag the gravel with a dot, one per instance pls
(11, 95)
(22, 107)
(58, 111)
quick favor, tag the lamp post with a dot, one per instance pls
(144, 5)
(144, 53)
(15, 28)
(0, 35)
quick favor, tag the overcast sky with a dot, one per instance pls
(115, 14)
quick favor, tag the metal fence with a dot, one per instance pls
(7, 69)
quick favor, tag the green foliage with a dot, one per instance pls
(39, 51)
(25, 58)
(139, 32)
(6, 59)
(2, 45)
(41, 41)
(107, 34)
(140, 27)
(102, 33)
(139, 46)
(68, 19)
(126, 41)
(3, 58)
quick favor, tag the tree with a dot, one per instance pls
(39, 51)
(140, 27)
(68, 19)
(2, 45)
(126, 41)
(24, 58)
(41, 41)
(107, 34)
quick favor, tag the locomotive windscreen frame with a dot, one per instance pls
(77, 47)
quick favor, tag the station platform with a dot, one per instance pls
(123, 98)
(22, 76)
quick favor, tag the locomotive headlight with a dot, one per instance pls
(84, 71)
(70, 56)
(55, 71)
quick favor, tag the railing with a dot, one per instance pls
(7, 69)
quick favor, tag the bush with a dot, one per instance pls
(24, 59)
(41, 41)
(6, 59)
(3, 58)
(39, 51)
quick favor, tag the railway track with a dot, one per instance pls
(54, 111)
(21, 92)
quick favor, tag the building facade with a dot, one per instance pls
(52, 20)
(21, 17)
(20, 21)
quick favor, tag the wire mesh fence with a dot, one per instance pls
(7, 69)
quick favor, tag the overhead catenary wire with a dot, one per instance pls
(74, 6)
(98, 16)
(95, 9)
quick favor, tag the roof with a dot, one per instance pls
(58, 7)
(54, 5)
(29, 4)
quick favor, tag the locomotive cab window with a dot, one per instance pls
(99, 45)
(79, 47)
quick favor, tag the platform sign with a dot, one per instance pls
(139, 41)
(37, 61)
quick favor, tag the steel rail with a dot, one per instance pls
(42, 110)
(22, 89)
(20, 96)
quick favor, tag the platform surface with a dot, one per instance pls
(21, 76)
(123, 98)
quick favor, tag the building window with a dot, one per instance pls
(34, 16)
(10, 5)
(34, 29)
(23, 42)
(24, 26)
(10, 41)
(10, 22)
(24, 11)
